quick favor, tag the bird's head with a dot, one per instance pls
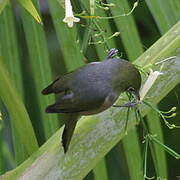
(134, 91)
(128, 78)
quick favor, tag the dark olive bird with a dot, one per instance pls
(92, 89)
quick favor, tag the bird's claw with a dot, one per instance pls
(128, 104)
(112, 52)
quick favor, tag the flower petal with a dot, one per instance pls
(149, 82)
(76, 19)
(69, 17)
(70, 24)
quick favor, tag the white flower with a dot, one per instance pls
(69, 17)
(149, 82)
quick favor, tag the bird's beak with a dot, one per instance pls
(136, 93)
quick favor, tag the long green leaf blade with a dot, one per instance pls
(3, 4)
(67, 38)
(163, 14)
(28, 5)
(40, 63)
(9, 47)
(10, 55)
(159, 156)
(100, 171)
(133, 154)
(127, 29)
(19, 115)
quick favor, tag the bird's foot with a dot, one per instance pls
(128, 104)
(112, 52)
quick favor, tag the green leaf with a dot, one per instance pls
(20, 119)
(67, 38)
(41, 70)
(159, 154)
(100, 170)
(133, 155)
(163, 13)
(9, 47)
(2, 158)
(165, 16)
(127, 28)
(28, 5)
(10, 56)
(6, 155)
(96, 135)
(3, 4)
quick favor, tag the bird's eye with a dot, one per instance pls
(131, 89)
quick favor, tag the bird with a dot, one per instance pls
(92, 89)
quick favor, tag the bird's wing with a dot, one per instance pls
(69, 103)
(57, 86)
(60, 84)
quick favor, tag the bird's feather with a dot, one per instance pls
(72, 103)
(69, 128)
(58, 85)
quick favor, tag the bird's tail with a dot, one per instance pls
(69, 128)
(47, 90)
(52, 109)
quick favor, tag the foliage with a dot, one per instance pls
(32, 54)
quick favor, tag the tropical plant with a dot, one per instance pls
(33, 51)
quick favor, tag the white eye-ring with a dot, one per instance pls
(131, 89)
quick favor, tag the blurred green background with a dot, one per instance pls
(36, 54)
